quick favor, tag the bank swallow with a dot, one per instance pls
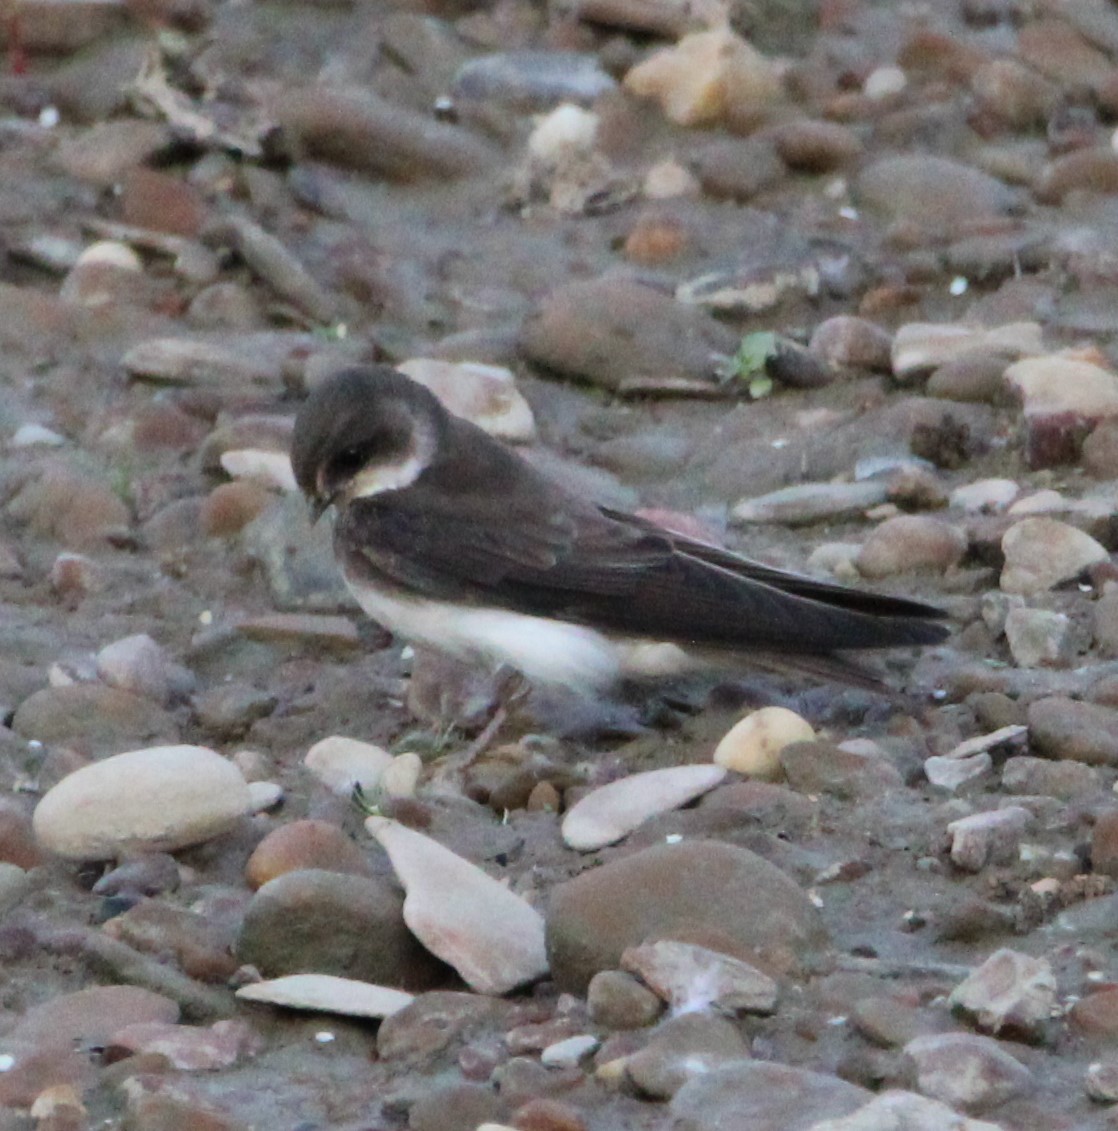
(451, 540)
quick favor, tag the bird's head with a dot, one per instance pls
(363, 431)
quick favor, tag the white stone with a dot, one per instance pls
(264, 795)
(401, 775)
(491, 936)
(753, 745)
(568, 129)
(952, 774)
(669, 179)
(805, 503)
(485, 395)
(326, 993)
(983, 742)
(341, 763)
(35, 435)
(1042, 502)
(882, 82)
(984, 495)
(110, 253)
(151, 800)
(273, 469)
(613, 811)
(568, 1053)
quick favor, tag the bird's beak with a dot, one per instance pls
(319, 507)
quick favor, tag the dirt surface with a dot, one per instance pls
(207, 209)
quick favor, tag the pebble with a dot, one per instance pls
(269, 469)
(76, 508)
(609, 813)
(953, 774)
(570, 1052)
(617, 1000)
(706, 78)
(759, 1095)
(138, 664)
(910, 542)
(327, 993)
(1041, 553)
(150, 874)
(1039, 638)
(1010, 993)
(920, 347)
(966, 1071)
(304, 844)
(986, 496)
(1101, 1081)
(156, 799)
(342, 763)
(327, 922)
(1045, 778)
(737, 169)
(975, 377)
(15, 884)
(905, 1111)
(189, 1048)
(855, 770)
(402, 775)
(985, 838)
(1096, 1014)
(685, 891)
(491, 936)
(485, 395)
(533, 80)
(1104, 843)
(355, 128)
(936, 193)
(807, 503)
(1068, 728)
(851, 342)
(217, 361)
(690, 978)
(814, 146)
(614, 332)
(558, 136)
(229, 709)
(753, 745)
(682, 1048)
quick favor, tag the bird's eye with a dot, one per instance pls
(347, 462)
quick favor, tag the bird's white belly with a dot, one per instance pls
(545, 651)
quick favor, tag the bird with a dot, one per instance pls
(451, 540)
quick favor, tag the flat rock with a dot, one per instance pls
(905, 1111)
(910, 542)
(611, 812)
(920, 347)
(93, 717)
(326, 993)
(758, 1095)
(1071, 729)
(491, 936)
(989, 837)
(967, 1071)
(682, 1048)
(807, 503)
(690, 977)
(157, 799)
(689, 891)
(614, 331)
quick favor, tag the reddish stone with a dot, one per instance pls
(150, 199)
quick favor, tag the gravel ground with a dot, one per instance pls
(833, 284)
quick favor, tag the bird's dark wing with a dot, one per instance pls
(536, 549)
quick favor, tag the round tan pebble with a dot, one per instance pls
(655, 239)
(753, 745)
(300, 845)
(230, 507)
(156, 799)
